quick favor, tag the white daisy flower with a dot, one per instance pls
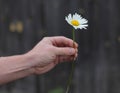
(77, 21)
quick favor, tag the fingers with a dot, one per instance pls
(65, 51)
(66, 54)
(63, 41)
(66, 59)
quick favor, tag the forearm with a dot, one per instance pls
(15, 67)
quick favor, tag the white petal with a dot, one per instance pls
(76, 16)
(68, 19)
(84, 25)
(83, 21)
(69, 16)
(75, 27)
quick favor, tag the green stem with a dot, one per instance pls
(73, 66)
(73, 35)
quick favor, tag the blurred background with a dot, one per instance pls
(23, 23)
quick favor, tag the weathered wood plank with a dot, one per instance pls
(97, 69)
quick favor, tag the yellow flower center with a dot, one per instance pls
(75, 23)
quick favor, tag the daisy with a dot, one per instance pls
(77, 21)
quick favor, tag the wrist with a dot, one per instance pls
(31, 59)
(27, 61)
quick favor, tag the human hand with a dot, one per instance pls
(50, 51)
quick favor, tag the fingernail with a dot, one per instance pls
(76, 50)
(72, 51)
(76, 56)
(76, 45)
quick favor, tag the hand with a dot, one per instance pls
(50, 51)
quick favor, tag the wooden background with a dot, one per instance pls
(23, 23)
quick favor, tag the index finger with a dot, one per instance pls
(59, 41)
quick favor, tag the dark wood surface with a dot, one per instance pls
(24, 22)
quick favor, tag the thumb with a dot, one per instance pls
(66, 51)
